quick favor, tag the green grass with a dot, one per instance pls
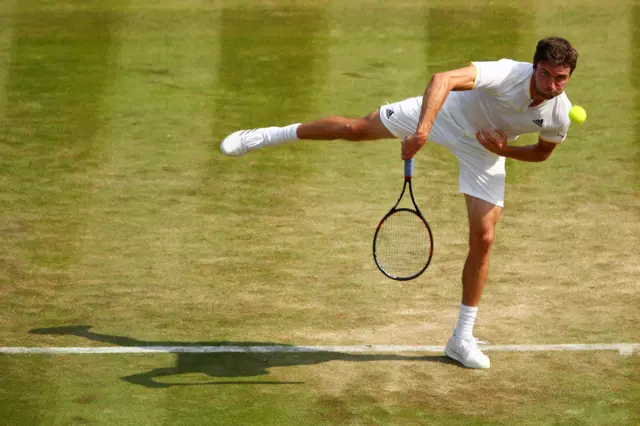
(119, 212)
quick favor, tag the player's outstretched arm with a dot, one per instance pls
(439, 87)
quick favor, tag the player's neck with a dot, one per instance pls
(536, 97)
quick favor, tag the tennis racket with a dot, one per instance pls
(403, 243)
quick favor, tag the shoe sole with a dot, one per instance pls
(455, 357)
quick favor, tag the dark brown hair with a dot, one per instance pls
(557, 51)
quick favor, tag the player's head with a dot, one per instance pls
(553, 63)
(556, 51)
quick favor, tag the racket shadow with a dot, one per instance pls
(231, 366)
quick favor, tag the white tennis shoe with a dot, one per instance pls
(243, 141)
(466, 352)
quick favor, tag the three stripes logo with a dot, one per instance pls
(539, 122)
(389, 113)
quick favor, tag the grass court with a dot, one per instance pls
(122, 225)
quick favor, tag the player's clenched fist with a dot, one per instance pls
(493, 142)
(412, 144)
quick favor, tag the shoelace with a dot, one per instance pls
(251, 140)
(476, 341)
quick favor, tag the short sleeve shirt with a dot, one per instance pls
(500, 99)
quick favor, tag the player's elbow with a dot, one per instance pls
(543, 155)
(544, 149)
(442, 80)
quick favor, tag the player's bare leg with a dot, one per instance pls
(369, 127)
(350, 129)
(483, 218)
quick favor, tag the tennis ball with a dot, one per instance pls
(577, 114)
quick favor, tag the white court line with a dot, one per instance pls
(623, 348)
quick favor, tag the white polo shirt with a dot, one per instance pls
(500, 99)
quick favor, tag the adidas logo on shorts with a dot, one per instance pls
(389, 113)
(539, 122)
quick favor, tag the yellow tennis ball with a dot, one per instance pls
(577, 114)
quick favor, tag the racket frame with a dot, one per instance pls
(408, 172)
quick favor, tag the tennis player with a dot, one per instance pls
(474, 112)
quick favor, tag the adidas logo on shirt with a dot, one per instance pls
(539, 122)
(389, 113)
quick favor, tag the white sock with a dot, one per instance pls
(277, 135)
(466, 320)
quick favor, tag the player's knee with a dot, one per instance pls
(481, 240)
(357, 130)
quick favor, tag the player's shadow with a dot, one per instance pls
(226, 364)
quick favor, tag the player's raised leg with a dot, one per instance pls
(369, 127)
(483, 218)
(366, 128)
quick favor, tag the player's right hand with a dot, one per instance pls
(412, 144)
(493, 142)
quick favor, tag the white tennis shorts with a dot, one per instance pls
(482, 173)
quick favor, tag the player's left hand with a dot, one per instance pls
(492, 141)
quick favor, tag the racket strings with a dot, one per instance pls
(403, 244)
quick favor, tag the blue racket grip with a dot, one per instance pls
(408, 167)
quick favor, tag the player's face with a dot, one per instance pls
(550, 80)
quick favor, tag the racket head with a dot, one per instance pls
(403, 244)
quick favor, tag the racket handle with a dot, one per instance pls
(408, 167)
